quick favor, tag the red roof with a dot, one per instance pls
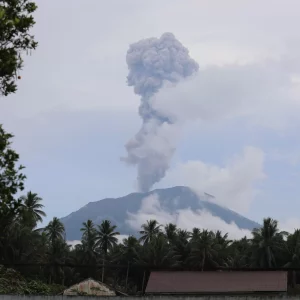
(185, 282)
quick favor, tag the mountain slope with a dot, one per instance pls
(171, 199)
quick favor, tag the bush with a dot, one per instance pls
(13, 283)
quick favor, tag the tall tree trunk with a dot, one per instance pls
(63, 275)
(294, 278)
(103, 269)
(127, 275)
(143, 282)
(203, 260)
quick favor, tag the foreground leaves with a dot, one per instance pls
(16, 20)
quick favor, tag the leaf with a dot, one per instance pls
(2, 13)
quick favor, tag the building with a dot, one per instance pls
(89, 287)
(217, 282)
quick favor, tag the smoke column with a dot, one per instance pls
(151, 63)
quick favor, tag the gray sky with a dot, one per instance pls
(238, 133)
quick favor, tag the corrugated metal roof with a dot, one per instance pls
(89, 287)
(216, 282)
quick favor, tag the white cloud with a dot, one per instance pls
(290, 224)
(73, 243)
(88, 72)
(233, 184)
(265, 93)
(184, 219)
(121, 237)
(150, 210)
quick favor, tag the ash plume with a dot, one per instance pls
(153, 62)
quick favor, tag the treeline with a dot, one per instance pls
(45, 254)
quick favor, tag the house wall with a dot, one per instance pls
(8, 297)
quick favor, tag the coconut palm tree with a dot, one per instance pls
(171, 232)
(223, 243)
(238, 254)
(31, 210)
(88, 241)
(267, 244)
(106, 236)
(204, 250)
(183, 234)
(196, 232)
(55, 231)
(149, 231)
(88, 235)
(293, 252)
(293, 249)
(180, 249)
(130, 248)
(156, 253)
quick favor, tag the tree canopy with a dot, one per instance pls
(16, 20)
(11, 179)
(48, 256)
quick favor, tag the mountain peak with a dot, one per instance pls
(171, 199)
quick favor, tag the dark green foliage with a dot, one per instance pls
(16, 21)
(31, 209)
(149, 231)
(106, 236)
(11, 179)
(101, 256)
(12, 282)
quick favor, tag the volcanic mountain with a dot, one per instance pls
(171, 200)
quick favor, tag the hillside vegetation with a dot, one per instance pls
(12, 282)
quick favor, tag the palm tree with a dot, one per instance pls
(20, 242)
(156, 254)
(171, 232)
(183, 234)
(88, 235)
(196, 232)
(31, 209)
(293, 252)
(293, 249)
(55, 232)
(180, 249)
(239, 254)
(129, 253)
(106, 236)
(149, 231)
(204, 250)
(267, 244)
(130, 248)
(223, 243)
(88, 241)
(106, 240)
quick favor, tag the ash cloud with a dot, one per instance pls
(152, 63)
